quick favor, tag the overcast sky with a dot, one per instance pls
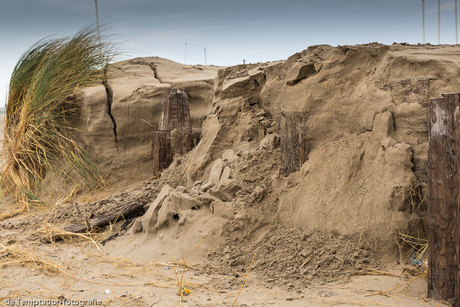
(230, 30)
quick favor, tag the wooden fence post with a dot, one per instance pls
(443, 199)
(174, 135)
(294, 145)
(175, 111)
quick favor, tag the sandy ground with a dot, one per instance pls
(115, 282)
(32, 269)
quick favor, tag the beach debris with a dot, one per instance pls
(414, 260)
(124, 211)
(185, 291)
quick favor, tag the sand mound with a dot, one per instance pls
(362, 131)
(287, 256)
(339, 183)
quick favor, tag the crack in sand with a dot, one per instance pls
(109, 92)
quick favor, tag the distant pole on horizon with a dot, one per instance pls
(185, 56)
(97, 23)
(439, 22)
(456, 26)
(423, 20)
(205, 61)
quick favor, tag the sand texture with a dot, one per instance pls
(316, 164)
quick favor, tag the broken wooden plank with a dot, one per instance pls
(125, 211)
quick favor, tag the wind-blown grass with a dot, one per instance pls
(38, 129)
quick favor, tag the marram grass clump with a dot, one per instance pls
(38, 129)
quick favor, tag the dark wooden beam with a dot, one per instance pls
(294, 143)
(443, 199)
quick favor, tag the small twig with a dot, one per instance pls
(148, 123)
(38, 261)
(375, 272)
(306, 261)
(181, 280)
(244, 280)
(383, 292)
(181, 263)
(67, 233)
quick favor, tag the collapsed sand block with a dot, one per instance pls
(226, 173)
(151, 215)
(175, 207)
(225, 189)
(228, 155)
(168, 210)
(248, 86)
(176, 222)
(200, 155)
(216, 171)
(383, 124)
(270, 141)
(300, 71)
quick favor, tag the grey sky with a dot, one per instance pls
(254, 30)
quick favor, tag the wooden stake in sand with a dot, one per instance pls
(174, 135)
(443, 199)
(294, 144)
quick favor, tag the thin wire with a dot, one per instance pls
(456, 26)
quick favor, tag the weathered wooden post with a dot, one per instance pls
(174, 135)
(162, 154)
(443, 199)
(175, 111)
(294, 145)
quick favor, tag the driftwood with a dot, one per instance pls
(125, 211)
